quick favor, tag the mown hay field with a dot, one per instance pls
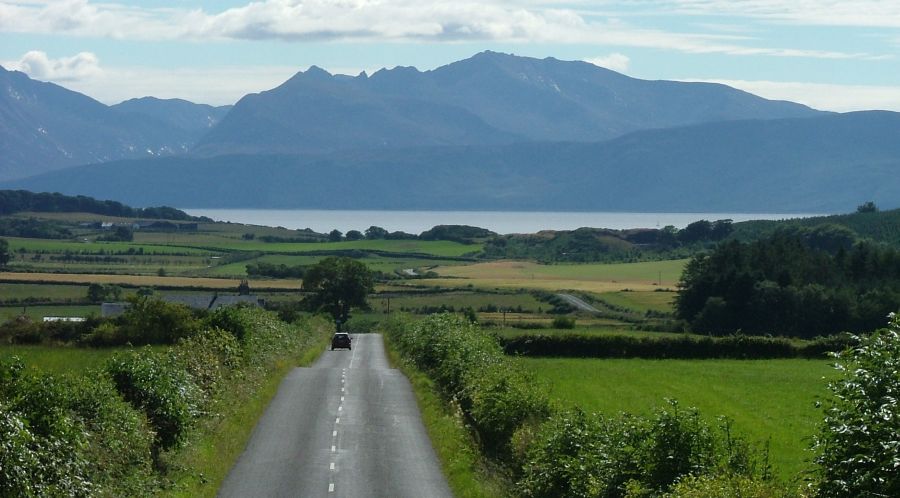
(590, 277)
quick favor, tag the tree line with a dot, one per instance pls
(17, 201)
(801, 282)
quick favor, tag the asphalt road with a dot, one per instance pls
(578, 303)
(346, 427)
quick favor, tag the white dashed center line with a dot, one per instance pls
(331, 487)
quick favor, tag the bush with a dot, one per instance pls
(153, 321)
(589, 455)
(470, 368)
(727, 486)
(859, 440)
(563, 322)
(231, 319)
(166, 393)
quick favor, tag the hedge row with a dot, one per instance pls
(569, 453)
(667, 347)
(471, 369)
(108, 432)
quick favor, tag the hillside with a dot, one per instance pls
(490, 98)
(825, 164)
(45, 127)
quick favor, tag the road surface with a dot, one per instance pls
(346, 427)
(578, 303)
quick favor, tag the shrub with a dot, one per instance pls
(563, 322)
(859, 440)
(166, 393)
(231, 319)
(727, 486)
(589, 455)
(153, 321)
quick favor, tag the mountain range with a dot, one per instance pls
(494, 131)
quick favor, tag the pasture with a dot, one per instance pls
(767, 399)
(590, 277)
(59, 360)
(146, 280)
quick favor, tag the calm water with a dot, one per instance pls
(499, 221)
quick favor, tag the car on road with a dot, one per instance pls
(340, 340)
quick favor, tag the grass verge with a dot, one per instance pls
(461, 463)
(202, 466)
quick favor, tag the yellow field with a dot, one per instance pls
(598, 278)
(146, 280)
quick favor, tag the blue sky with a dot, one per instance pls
(831, 54)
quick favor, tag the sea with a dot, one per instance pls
(503, 222)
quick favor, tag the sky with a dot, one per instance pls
(839, 55)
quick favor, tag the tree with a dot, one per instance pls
(867, 207)
(337, 285)
(859, 440)
(335, 235)
(374, 232)
(354, 235)
(4, 252)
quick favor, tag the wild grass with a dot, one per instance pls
(767, 399)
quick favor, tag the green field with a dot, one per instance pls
(60, 359)
(38, 312)
(43, 292)
(641, 301)
(767, 399)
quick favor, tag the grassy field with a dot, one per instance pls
(640, 301)
(597, 277)
(38, 312)
(146, 280)
(60, 359)
(765, 398)
(47, 292)
(583, 327)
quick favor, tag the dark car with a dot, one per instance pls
(340, 340)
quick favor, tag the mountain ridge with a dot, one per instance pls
(825, 164)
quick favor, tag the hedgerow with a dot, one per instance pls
(553, 453)
(471, 369)
(110, 432)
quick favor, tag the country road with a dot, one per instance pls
(578, 303)
(346, 427)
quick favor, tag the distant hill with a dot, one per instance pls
(825, 164)
(490, 98)
(45, 127)
(194, 119)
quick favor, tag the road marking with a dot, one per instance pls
(333, 448)
(337, 420)
(340, 408)
(333, 433)
(342, 399)
(342, 389)
(331, 487)
(332, 466)
(353, 357)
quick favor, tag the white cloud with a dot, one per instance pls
(387, 20)
(38, 65)
(863, 13)
(828, 97)
(615, 61)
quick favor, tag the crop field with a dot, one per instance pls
(641, 301)
(598, 278)
(766, 399)
(43, 292)
(146, 280)
(386, 264)
(462, 299)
